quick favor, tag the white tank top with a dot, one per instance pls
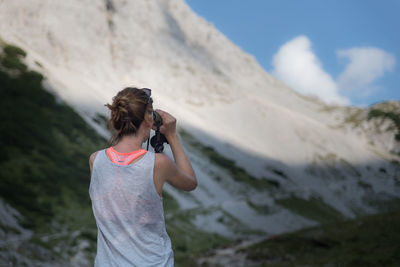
(129, 214)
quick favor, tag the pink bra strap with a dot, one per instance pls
(124, 158)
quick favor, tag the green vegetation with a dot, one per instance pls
(314, 208)
(394, 116)
(279, 172)
(366, 241)
(382, 201)
(38, 63)
(364, 184)
(100, 119)
(355, 116)
(335, 167)
(262, 209)
(44, 152)
(237, 173)
(190, 69)
(11, 60)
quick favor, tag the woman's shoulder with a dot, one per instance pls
(92, 157)
(162, 161)
(94, 154)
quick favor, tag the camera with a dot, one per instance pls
(157, 119)
(158, 140)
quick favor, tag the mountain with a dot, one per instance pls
(268, 159)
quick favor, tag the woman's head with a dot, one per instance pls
(130, 107)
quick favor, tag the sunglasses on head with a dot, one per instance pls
(147, 91)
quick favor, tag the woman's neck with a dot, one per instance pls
(129, 143)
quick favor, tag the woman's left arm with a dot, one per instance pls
(91, 160)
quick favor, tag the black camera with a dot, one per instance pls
(158, 140)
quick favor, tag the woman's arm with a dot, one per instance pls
(91, 160)
(179, 174)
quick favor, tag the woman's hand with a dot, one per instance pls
(168, 127)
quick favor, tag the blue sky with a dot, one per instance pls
(345, 52)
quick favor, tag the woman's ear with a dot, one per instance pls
(149, 120)
(148, 117)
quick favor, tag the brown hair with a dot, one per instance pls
(128, 111)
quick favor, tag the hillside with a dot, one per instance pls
(367, 241)
(268, 159)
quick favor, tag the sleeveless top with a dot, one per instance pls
(129, 214)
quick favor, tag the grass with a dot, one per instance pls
(313, 209)
(355, 117)
(100, 119)
(364, 185)
(365, 241)
(335, 167)
(382, 202)
(261, 209)
(280, 173)
(394, 116)
(11, 60)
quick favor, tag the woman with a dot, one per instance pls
(127, 181)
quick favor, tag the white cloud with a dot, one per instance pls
(366, 65)
(296, 64)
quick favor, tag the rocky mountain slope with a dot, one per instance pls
(268, 159)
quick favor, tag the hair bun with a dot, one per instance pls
(128, 111)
